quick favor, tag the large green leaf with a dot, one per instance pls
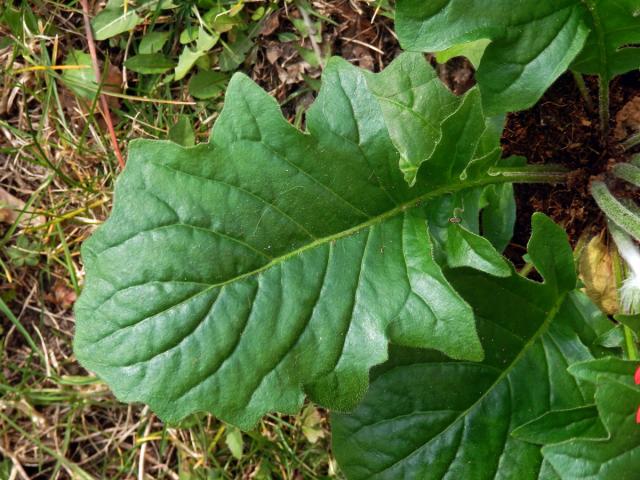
(532, 41)
(429, 417)
(235, 276)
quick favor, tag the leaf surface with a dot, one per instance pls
(615, 456)
(235, 276)
(114, 20)
(612, 46)
(532, 42)
(149, 63)
(429, 417)
(562, 425)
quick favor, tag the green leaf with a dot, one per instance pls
(81, 81)
(472, 50)
(429, 417)
(612, 46)
(499, 215)
(235, 52)
(614, 338)
(631, 321)
(235, 276)
(454, 225)
(562, 425)
(182, 132)
(415, 104)
(234, 442)
(190, 56)
(153, 42)
(149, 63)
(611, 368)
(614, 456)
(207, 84)
(113, 20)
(532, 41)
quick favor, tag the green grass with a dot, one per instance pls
(57, 158)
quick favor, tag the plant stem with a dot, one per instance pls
(584, 91)
(603, 98)
(632, 141)
(103, 100)
(632, 349)
(531, 174)
(619, 213)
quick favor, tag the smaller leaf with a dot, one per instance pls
(234, 442)
(614, 456)
(472, 50)
(465, 248)
(499, 215)
(149, 63)
(188, 35)
(561, 425)
(551, 253)
(189, 56)
(113, 20)
(81, 81)
(312, 424)
(631, 321)
(235, 53)
(308, 55)
(612, 338)
(182, 132)
(207, 84)
(153, 42)
(223, 20)
(285, 37)
(610, 368)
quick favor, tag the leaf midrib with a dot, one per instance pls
(525, 349)
(414, 203)
(592, 9)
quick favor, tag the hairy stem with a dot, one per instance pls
(531, 174)
(584, 91)
(623, 216)
(632, 141)
(603, 99)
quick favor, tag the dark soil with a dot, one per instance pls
(560, 129)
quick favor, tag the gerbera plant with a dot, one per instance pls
(358, 263)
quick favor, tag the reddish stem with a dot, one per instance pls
(106, 114)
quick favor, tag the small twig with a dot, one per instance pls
(364, 44)
(143, 447)
(103, 99)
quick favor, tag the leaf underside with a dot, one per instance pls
(236, 276)
(532, 42)
(429, 417)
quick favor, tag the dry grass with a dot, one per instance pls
(56, 419)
